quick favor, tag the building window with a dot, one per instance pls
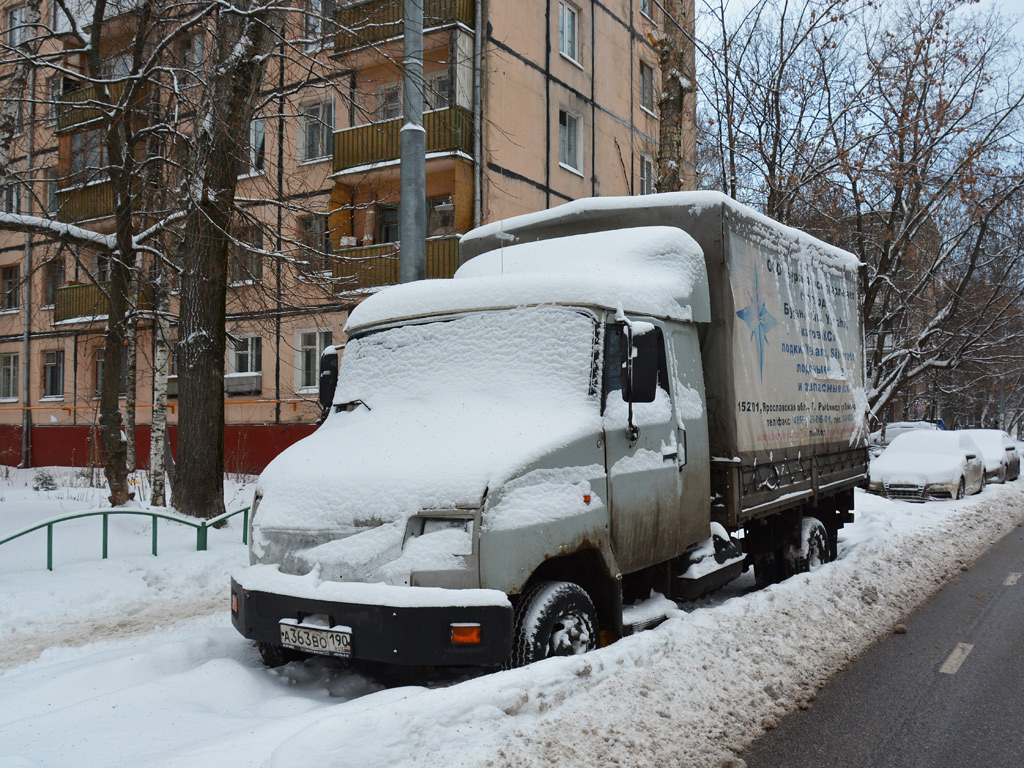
(54, 279)
(645, 8)
(117, 67)
(316, 128)
(12, 198)
(568, 140)
(247, 355)
(648, 175)
(17, 29)
(102, 265)
(256, 152)
(387, 223)
(245, 257)
(568, 30)
(192, 55)
(54, 90)
(315, 239)
(122, 384)
(11, 286)
(88, 155)
(389, 101)
(52, 185)
(309, 348)
(647, 86)
(318, 22)
(53, 373)
(9, 376)
(435, 95)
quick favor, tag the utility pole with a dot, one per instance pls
(412, 221)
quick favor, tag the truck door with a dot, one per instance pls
(644, 453)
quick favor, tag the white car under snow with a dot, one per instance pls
(926, 464)
(999, 452)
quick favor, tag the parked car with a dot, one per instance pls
(999, 453)
(877, 444)
(928, 464)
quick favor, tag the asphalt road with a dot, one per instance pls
(947, 694)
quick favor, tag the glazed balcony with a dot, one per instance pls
(448, 130)
(374, 266)
(375, 21)
(89, 301)
(86, 202)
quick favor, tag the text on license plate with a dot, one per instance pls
(333, 642)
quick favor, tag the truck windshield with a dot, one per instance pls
(530, 356)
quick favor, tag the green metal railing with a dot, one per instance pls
(375, 265)
(448, 130)
(90, 300)
(374, 21)
(202, 527)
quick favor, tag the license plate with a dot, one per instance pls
(336, 641)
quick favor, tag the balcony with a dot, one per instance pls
(378, 265)
(378, 20)
(82, 105)
(88, 300)
(84, 203)
(448, 130)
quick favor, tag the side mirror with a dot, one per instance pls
(972, 456)
(641, 365)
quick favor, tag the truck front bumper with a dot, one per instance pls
(388, 624)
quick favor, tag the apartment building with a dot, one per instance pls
(528, 104)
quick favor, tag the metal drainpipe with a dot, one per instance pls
(26, 414)
(279, 244)
(478, 117)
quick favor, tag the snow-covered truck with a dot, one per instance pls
(612, 398)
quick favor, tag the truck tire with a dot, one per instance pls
(552, 618)
(814, 550)
(274, 655)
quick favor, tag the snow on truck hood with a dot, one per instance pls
(450, 409)
(656, 271)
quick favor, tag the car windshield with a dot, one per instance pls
(926, 441)
(532, 355)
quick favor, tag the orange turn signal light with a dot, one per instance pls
(586, 498)
(465, 634)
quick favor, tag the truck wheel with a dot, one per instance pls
(814, 548)
(553, 618)
(277, 655)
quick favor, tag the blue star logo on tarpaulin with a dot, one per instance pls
(758, 319)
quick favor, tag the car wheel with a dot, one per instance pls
(275, 655)
(814, 550)
(1002, 474)
(961, 489)
(984, 482)
(553, 618)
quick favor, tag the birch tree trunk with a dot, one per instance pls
(158, 429)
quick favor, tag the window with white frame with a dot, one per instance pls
(569, 140)
(308, 348)
(435, 95)
(117, 66)
(318, 22)
(316, 128)
(245, 260)
(17, 29)
(568, 30)
(88, 155)
(54, 279)
(389, 101)
(647, 86)
(102, 266)
(52, 185)
(11, 287)
(315, 237)
(53, 373)
(8, 375)
(54, 91)
(122, 385)
(247, 355)
(12, 197)
(645, 8)
(648, 175)
(255, 159)
(192, 50)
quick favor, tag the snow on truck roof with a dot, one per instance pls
(655, 271)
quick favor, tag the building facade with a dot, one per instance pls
(528, 104)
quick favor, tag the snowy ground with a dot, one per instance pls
(133, 661)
